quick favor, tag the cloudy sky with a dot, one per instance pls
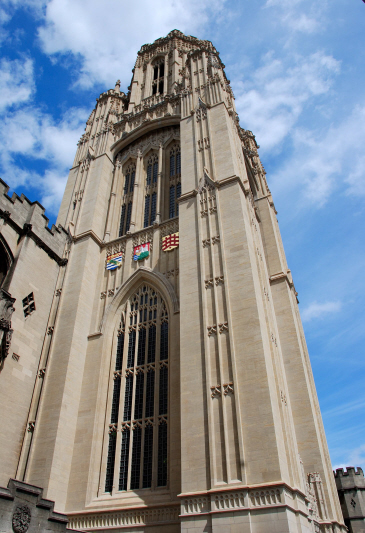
(297, 71)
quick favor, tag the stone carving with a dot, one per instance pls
(21, 519)
(6, 311)
(234, 500)
(223, 327)
(228, 388)
(215, 391)
(212, 330)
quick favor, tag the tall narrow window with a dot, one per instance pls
(172, 201)
(175, 181)
(109, 478)
(128, 189)
(143, 420)
(129, 214)
(158, 77)
(150, 205)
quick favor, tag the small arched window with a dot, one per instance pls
(158, 77)
(139, 402)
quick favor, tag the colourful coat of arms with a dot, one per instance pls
(142, 251)
(170, 242)
(114, 261)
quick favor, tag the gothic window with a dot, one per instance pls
(139, 397)
(28, 305)
(158, 77)
(128, 189)
(150, 205)
(175, 181)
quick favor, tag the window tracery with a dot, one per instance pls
(128, 189)
(158, 76)
(139, 398)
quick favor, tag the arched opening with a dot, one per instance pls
(137, 455)
(4, 263)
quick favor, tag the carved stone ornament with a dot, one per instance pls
(6, 311)
(21, 519)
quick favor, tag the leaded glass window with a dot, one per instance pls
(175, 180)
(139, 397)
(150, 204)
(128, 189)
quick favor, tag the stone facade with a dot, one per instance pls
(174, 390)
(351, 490)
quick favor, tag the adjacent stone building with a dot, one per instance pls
(161, 381)
(351, 490)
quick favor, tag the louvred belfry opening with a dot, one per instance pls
(139, 400)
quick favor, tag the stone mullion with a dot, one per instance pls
(130, 452)
(233, 361)
(159, 186)
(121, 405)
(156, 400)
(120, 414)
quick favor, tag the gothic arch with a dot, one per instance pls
(6, 259)
(142, 275)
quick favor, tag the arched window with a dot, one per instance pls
(150, 203)
(128, 189)
(139, 400)
(158, 76)
(175, 180)
(4, 263)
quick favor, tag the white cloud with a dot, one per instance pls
(298, 15)
(106, 45)
(28, 132)
(16, 82)
(323, 161)
(319, 310)
(271, 101)
(38, 137)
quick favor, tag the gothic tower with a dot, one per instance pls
(177, 392)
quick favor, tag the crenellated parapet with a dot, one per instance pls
(28, 218)
(349, 478)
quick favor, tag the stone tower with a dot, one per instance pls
(351, 490)
(177, 392)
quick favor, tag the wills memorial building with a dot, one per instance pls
(154, 375)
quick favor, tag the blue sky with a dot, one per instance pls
(297, 71)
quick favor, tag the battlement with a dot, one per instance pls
(27, 217)
(349, 478)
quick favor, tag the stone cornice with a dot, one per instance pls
(258, 486)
